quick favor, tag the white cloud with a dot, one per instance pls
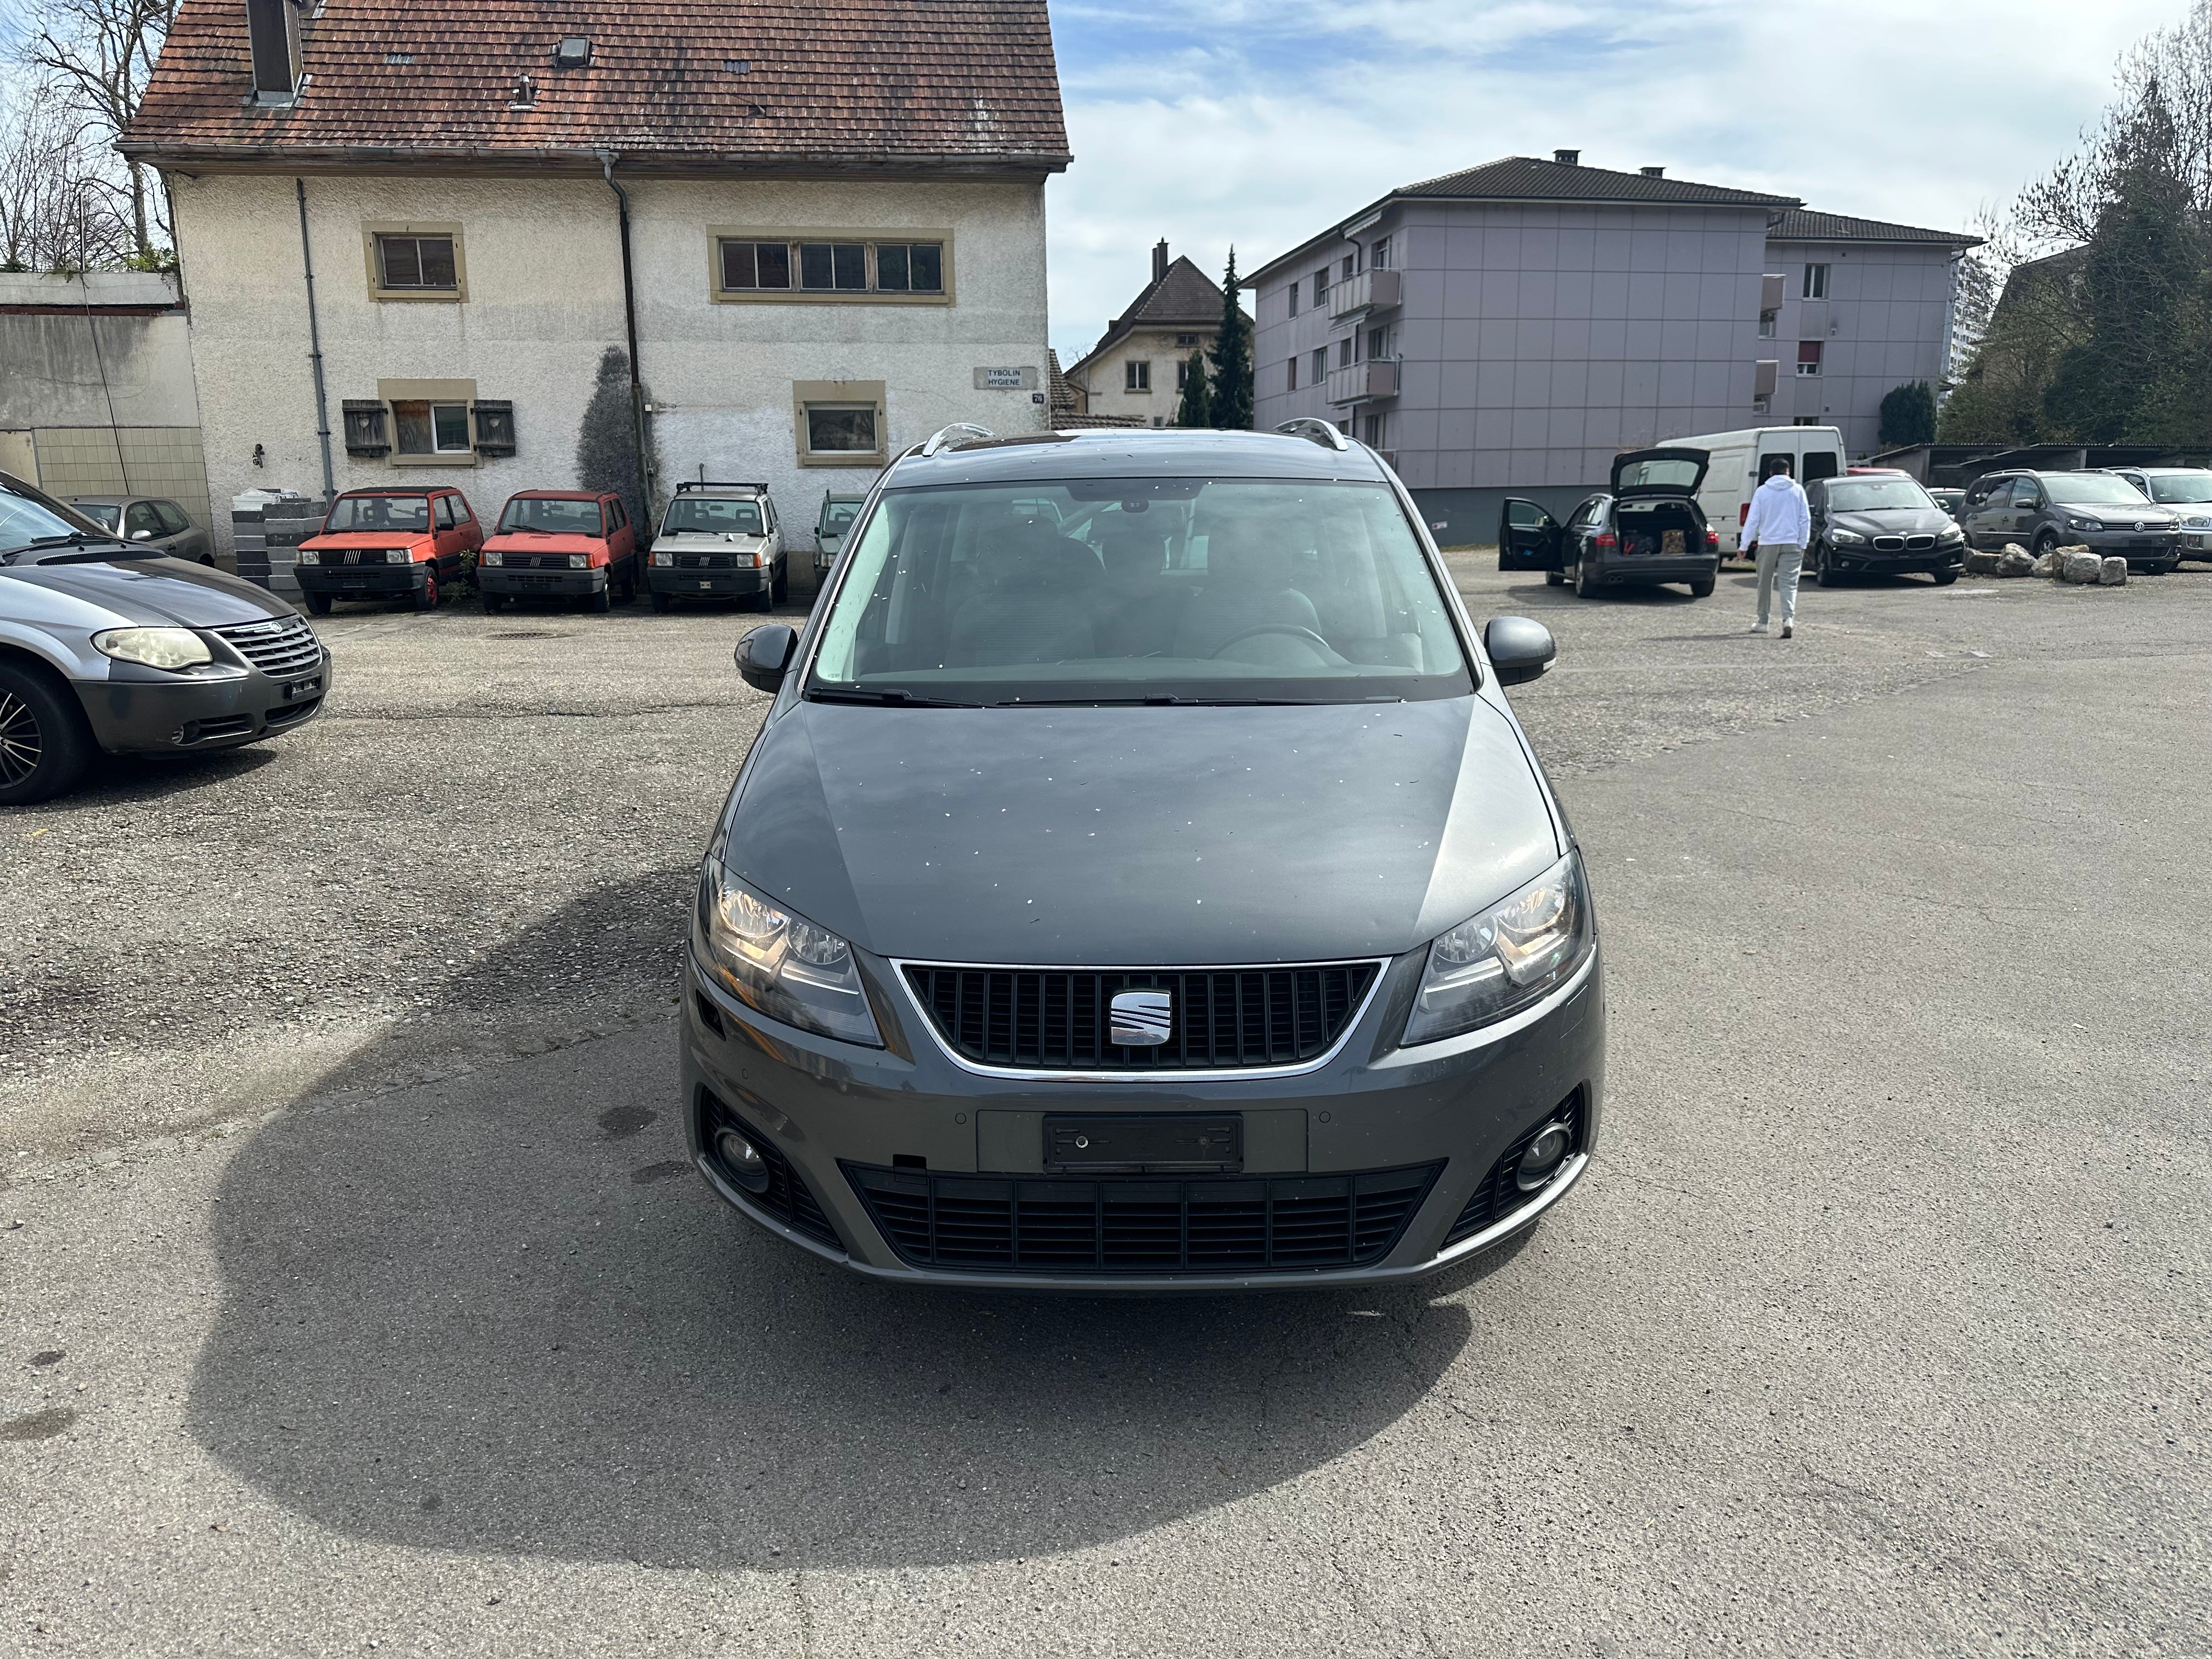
(1211, 122)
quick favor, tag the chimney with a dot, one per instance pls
(1568, 158)
(1654, 172)
(272, 29)
(1160, 260)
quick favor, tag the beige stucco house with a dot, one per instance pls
(418, 243)
(1135, 374)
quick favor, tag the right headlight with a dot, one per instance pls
(662, 561)
(1846, 535)
(1516, 952)
(310, 556)
(2085, 524)
(492, 557)
(398, 555)
(779, 963)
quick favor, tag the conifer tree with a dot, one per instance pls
(1196, 408)
(1232, 390)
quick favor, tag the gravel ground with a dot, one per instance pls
(1879, 1325)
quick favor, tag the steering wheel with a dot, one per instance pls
(1296, 631)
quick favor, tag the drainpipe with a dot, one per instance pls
(629, 323)
(315, 350)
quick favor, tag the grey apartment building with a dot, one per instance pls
(1511, 328)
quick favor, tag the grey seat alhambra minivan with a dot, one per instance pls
(1140, 882)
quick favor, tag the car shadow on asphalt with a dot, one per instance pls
(504, 1314)
(120, 780)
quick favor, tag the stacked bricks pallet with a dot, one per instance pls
(246, 537)
(284, 525)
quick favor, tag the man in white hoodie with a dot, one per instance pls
(1777, 529)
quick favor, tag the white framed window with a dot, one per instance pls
(1378, 257)
(1767, 319)
(1291, 380)
(1809, 357)
(902, 267)
(1293, 291)
(1762, 403)
(1319, 364)
(1816, 283)
(1137, 375)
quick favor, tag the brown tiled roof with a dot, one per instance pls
(1527, 179)
(1185, 297)
(712, 85)
(1806, 226)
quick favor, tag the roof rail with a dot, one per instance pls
(1314, 430)
(953, 436)
(682, 485)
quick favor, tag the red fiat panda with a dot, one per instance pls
(389, 544)
(560, 542)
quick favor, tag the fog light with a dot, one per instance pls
(744, 1160)
(1542, 1159)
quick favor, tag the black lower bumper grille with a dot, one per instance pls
(1500, 1195)
(1279, 1224)
(788, 1198)
(1221, 1018)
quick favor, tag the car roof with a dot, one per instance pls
(2161, 471)
(561, 495)
(1134, 452)
(398, 490)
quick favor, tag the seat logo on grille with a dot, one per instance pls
(1141, 1019)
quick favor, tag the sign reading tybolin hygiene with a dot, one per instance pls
(1006, 380)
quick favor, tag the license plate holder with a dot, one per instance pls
(1151, 1143)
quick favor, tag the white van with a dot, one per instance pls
(1739, 461)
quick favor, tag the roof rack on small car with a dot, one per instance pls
(953, 436)
(1314, 430)
(714, 483)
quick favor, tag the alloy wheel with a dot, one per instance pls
(22, 744)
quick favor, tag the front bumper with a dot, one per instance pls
(2137, 547)
(1896, 561)
(343, 581)
(175, 716)
(704, 580)
(572, 584)
(827, 1110)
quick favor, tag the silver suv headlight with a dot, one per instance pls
(1516, 952)
(155, 647)
(779, 963)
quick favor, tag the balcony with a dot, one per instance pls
(1361, 383)
(1370, 290)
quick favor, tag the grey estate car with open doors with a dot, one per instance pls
(1140, 882)
(108, 646)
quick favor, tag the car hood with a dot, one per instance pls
(338, 538)
(1893, 522)
(2149, 515)
(152, 592)
(543, 542)
(713, 539)
(1140, 837)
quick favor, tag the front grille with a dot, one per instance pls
(290, 713)
(1918, 543)
(706, 562)
(1223, 1018)
(282, 647)
(1889, 544)
(1133, 1225)
(539, 562)
(1497, 1197)
(788, 1198)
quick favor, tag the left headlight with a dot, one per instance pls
(1949, 533)
(779, 963)
(155, 648)
(2085, 524)
(1516, 952)
(1850, 538)
(398, 555)
(492, 557)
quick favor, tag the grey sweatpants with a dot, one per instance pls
(1789, 560)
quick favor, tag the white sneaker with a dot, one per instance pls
(1761, 628)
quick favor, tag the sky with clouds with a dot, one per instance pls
(1261, 122)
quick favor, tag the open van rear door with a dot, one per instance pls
(1527, 537)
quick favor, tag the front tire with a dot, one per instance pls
(1825, 575)
(780, 592)
(428, 598)
(2046, 542)
(319, 604)
(602, 600)
(1944, 578)
(491, 601)
(662, 604)
(44, 743)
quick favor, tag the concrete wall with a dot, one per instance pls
(1885, 322)
(1105, 378)
(544, 301)
(1537, 342)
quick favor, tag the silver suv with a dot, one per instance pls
(719, 541)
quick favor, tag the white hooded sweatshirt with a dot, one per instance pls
(1778, 514)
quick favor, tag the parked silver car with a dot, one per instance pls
(149, 521)
(2188, 491)
(105, 645)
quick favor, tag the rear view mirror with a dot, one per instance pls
(1519, 649)
(763, 655)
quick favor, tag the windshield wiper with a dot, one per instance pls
(891, 698)
(1160, 700)
(76, 539)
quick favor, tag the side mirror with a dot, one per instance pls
(763, 655)
(141, 535)
(1518, 649)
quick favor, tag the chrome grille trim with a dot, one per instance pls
(281, 647)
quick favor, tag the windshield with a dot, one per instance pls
(2091, 490)
(1873, 495)
(837, 517)
(28, 515)
(559, 517)
(1105, 590)
(2182, 487)
(722, 517)
(379, 513)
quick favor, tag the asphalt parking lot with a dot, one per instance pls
(354, 1295)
